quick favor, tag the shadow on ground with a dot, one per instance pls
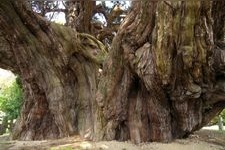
(200, 140)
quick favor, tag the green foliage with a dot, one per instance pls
(63, 148)
(216, 119)
(223, 115)
(11, 99)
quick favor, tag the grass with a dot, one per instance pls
(63, 148)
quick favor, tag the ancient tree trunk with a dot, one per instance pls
(160, 81)
(58, 68)
(163, 79)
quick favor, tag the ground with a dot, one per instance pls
(200, 140)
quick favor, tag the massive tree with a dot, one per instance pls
(58, 68)
(162, 79)
(162, 83)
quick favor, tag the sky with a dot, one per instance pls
(6, 77)
(5, 73)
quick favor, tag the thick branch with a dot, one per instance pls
(7, 60)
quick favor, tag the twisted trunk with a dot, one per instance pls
(160, 79)
(59, 73)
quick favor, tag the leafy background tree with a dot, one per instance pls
(10, 102)
(215, 120)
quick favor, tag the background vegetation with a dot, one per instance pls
(10, 103)
(216, 119)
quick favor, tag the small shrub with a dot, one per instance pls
(11, 100)
(216, 118)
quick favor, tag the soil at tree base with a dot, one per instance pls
(201, 140)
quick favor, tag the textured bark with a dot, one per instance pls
(163, 79)
(58, 68)
(79, 15)
(218, 15)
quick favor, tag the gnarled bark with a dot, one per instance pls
(219, 20)
(162, 82)
(79, 15)
(58, 68)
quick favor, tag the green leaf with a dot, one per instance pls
(11, 99)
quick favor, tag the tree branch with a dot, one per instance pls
(7, 60)
(211, 112)
(100, 9)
